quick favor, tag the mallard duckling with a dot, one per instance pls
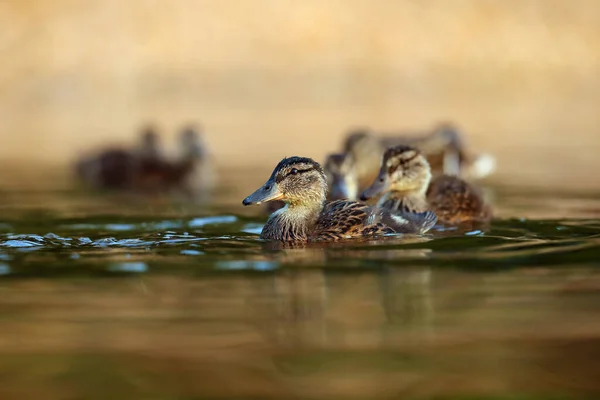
(341, 176)
(117, 168)
(191, 174)
(144, 169)
(405, 182)
(150, 147)
(365, 150)
(444, 149)
(199, 165)
(446, 152)
(307, 216)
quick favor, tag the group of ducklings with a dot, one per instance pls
(379, 184)
(146, 169)
(405, 184)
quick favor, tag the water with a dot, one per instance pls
(105, 296)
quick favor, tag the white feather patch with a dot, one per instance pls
(398, 219)
(484, 165)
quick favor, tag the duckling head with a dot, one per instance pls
(150, 142)
(449, 137)
(365, 149)
(356, 137)
(403, 169)
(298, 181)
(341, 176)
(192, 143)
(449, 132)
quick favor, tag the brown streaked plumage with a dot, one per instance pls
(405, 183)
(307, 216)
(456, 201)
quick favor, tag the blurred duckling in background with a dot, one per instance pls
(444, 148)
(446, 152)
(198, 175)
(116, 168)
(341, 177)
(307, 216)
(364, 149)
(150, 147)
(405, 183)
(145, 170)
(191, 175)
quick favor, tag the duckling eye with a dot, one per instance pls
(294, 171)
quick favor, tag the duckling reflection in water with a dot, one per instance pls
(146, 170)
(405, 182)
(307, 216)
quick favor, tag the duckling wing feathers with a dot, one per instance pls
(406, 221)
(343, 219)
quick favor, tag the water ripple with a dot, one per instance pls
(137, 267)
(4, 269)
(131, 243)
(222, 219)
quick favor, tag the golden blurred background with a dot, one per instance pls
(270, 78)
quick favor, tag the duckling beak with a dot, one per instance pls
(268, 192)
(380, 186)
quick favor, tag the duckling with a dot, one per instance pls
(192, 174)
(150, 147)
(150, 166)
(144, 169)
(444, 148)
(341, 176)
(200, 174)
(446, 152)
(307, 216)
(405, 183)
(365, 150)
(116, 168)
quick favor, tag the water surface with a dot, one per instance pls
(118, 296)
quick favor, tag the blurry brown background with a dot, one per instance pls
(269, 78)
